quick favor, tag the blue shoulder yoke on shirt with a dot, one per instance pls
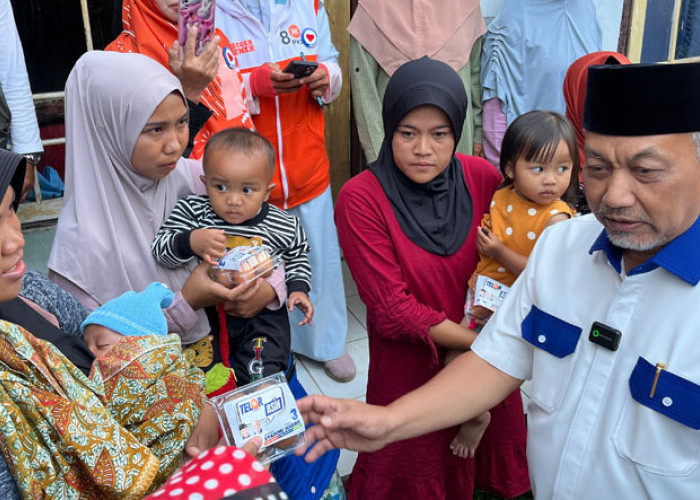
(679, 257)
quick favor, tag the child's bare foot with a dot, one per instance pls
(467, 439)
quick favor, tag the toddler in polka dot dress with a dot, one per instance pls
(539, 162)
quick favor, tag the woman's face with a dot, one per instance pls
(169, 9)
(11, 249)
(163, 139)
(423, 144)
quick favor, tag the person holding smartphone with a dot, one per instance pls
(210, 78)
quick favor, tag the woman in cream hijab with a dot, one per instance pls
(126, 129)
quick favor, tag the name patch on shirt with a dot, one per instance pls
(243, 47)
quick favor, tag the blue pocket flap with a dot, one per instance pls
(550, 333)
(675, 397)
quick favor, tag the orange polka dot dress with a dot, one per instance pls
(518, 223)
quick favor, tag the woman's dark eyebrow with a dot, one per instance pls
(405, 125)
(160, 124)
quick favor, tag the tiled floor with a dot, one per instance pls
(315, 380)
(311, 374)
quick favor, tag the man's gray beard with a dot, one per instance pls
(629, 242)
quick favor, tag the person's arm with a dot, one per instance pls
(327, 56)
(296, 261)
(560, 217)
(462, 390)
(366, 101)
(244, 300)
(369, 251)
(171, 245)
(250, 303)
(24, 129)
(277, 281)
(494, 125)
(195, 72)
(489, 245)
(452, 335)
(205, 435)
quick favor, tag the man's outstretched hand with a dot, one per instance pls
(343, 423)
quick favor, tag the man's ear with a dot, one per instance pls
(269, 190)
(203, 178)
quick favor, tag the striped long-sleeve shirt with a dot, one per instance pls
(280, 231)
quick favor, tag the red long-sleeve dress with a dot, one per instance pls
(407, 290)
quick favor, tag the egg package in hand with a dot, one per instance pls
(245, 260)
(264, 408)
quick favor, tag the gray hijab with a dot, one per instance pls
(110, 212)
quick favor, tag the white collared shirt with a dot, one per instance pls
(587, 436)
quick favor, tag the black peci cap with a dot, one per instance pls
(643, 99)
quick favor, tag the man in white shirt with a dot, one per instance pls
(604, 320)
(14, 84)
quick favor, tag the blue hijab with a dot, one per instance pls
(528, 48)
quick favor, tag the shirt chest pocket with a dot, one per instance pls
(659, 430)
(556, 342)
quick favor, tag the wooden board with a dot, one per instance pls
(39, 213)
(337, 114)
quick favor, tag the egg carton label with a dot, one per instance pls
(264, 408)
(237, 258)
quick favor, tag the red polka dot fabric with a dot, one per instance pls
(220, 472)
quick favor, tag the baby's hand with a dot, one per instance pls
(302, 301)
(488, 243)
(208, 244)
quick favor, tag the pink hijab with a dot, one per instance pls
(111, 213)
(395, 32)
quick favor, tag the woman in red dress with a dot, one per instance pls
(407, 227)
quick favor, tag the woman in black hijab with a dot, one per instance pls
(12, 307)
(407, 227)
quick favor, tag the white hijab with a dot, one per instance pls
(110, 212)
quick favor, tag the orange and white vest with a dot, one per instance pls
(292, 122)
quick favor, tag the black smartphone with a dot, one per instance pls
(300, 69)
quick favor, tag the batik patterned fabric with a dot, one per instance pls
(117, 434)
